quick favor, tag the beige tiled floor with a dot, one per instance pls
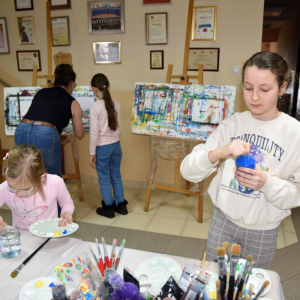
(169, 213)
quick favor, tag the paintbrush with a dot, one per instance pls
(218, 285)
(20, 267)
(247, 297)
(203, 261)
(247, 266)
(94, 255)
(226, 246)
(113, 255)
(250, 291)
(249, 273)
(119, 254)
(265, 285)
(105, 253)
(100, 261)
(234, 259)
(222, 270)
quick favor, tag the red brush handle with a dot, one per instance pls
(101, 266)
(107, 262)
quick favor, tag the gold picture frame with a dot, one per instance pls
(107, 52)
(204, 23)
(26, 30)
(156, 28)
(60, 31)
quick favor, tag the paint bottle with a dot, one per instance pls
(122, 290)
(245, 161)
(59, 293)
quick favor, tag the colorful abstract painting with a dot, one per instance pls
(180, 111)
(17, 101)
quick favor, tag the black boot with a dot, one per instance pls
(106, 211)
(121, 208)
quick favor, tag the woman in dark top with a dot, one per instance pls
(50, 111)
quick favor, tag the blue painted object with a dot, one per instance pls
(245, 161)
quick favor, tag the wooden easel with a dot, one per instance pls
(184, 79)
(49, 80)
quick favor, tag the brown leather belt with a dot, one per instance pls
(39, 123)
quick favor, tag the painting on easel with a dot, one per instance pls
(17, 101)
(180, 111)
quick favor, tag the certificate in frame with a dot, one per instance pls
(26, 30)
(156, 59)
(107, 52)
(156, 2)
(106, 16)
(21, 5)
(156, 28)
(208, 57)
(27, 59)
(60, 30)
(60, 4)
(4, 43)
(204, 23)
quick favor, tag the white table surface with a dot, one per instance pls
(60, 250)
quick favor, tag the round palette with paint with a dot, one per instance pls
(211, 289)
(155, 272)
(41, 289)
(49, 228)
(257, 278)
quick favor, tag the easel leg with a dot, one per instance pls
(148, 196)
(188, 187)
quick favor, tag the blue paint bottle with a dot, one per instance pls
(245, 161)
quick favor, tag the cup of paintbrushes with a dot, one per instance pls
(10, 242)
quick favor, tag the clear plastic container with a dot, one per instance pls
(10, 242)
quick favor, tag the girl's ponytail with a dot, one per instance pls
(101, 82)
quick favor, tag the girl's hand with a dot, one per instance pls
(255, 180)
(66, 219)
(235, 148)
(2, 224)
(93, 160)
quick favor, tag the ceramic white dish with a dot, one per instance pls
(156, 272)
(49, 228)
(33, 291)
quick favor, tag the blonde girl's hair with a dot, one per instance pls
(101, 82)
(25, 161)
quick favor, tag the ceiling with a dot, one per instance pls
(290, 7)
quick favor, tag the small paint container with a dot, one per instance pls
(245, 161)
(10, 242)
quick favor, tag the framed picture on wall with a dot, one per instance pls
(27, 59)
(60, 30)
(60, 4)
(156, 2)
(208, 57)
(26, 30)
(156, 59)
(106, 16)
(4, 44)
(156, 28)
(107, 52)
(23, 5)
(204, 23)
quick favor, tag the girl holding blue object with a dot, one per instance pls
(250, 202)
(105, 148)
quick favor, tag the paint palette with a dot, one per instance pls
(156, 272)
(41, 289)
(211, 289)
(49, 228)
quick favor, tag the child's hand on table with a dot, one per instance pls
(66, 219)
(2, 224)
(255, 179)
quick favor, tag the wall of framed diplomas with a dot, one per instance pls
(143, 57)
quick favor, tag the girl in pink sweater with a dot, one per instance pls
(29, 192)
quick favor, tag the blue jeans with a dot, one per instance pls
(44, 138)
(108, 161)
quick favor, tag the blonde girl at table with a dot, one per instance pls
(272, 138)
(105, 148)
(29, 192)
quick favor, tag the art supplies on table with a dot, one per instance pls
(41, 288)
(106, 258)
(157, 271)
(113, 254)
(49, 228)
(21, 266)
(119, 254)
(100, 259)
(128, 276)
(170, 289)
(10, 242)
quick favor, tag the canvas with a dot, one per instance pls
(180, 111)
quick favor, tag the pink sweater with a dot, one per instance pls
(26, 211)
(100, 133)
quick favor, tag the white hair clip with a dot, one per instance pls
(6, 156)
